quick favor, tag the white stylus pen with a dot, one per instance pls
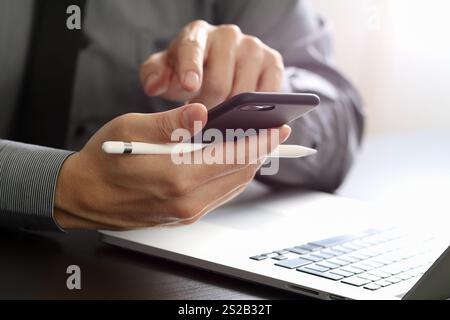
(120, 147)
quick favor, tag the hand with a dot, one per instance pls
(119, 192)
(208, 64)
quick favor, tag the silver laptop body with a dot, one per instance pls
(314, 244)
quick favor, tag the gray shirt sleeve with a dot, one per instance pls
(28, 176)
(335, 128)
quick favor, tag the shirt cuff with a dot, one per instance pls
(28, 177)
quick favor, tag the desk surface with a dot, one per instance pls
(34, 265)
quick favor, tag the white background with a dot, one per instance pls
(397, 52)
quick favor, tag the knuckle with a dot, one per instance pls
(122, 126)
(198, 23)
(164, 125)
(275, 58)
(178, 187)
(251, 43)
(190, 43)
(184, 210)
(174, 190)
(229, 30)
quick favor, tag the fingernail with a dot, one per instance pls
(285, 133)
(194, 117)
(192, 80)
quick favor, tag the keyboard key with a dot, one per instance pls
(349, 259)
(412, 273)
(369, 276)
(309, 247)
(339, 262)
(328, 264)
(379, 273)
(393, 257)
(342, 273)
(404, 276)
(322, 255)
(415, 273)
(293, 263)
(361, 265)
(259, 257)
(360, 244)
(270, 254)
(404, 265)
(405, 254)
(356, 281)
(386, 269)
(368, 253)
(357, 256)
(393, 279)
(280, 258)
(383, 283)
(409, 264)
(316, 267)
(384, 260)
(312, 258)
(380, 249)
(373, 232)
(372, 240)
(372, 264)
(352, 246)
(342, 249)
(327, 275)
(298, 250)
(372, 286)
(352, 269)
(334, 240)
(332, 252)
(281, 252)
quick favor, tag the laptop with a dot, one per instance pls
(311, 243)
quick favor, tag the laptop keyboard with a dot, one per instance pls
(371, 260)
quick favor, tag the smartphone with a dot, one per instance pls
(255, 110)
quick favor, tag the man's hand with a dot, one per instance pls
(117, 192)
(208, 64)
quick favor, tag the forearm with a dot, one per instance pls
(28, 177)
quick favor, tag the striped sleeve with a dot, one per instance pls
(28, 176)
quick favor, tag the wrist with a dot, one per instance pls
(68, 189)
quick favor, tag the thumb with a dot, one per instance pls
(192, 117)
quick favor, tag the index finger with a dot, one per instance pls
(189, 55)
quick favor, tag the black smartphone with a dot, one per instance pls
(255, 110)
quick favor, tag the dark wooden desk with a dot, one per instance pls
(33, 266)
